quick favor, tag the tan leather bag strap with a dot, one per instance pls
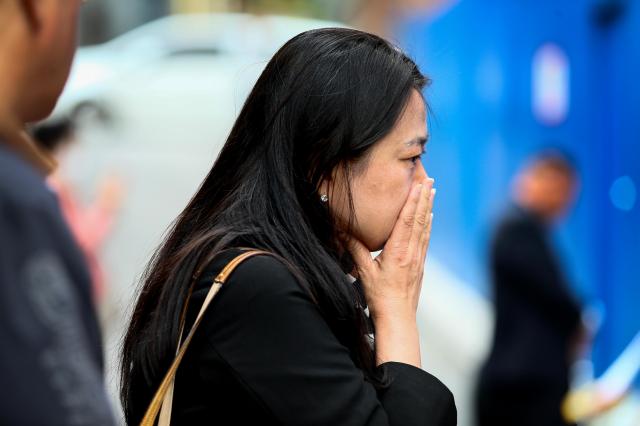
(163, 398)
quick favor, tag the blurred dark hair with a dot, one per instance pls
(323, 101)
(51, 134)
(558, 160)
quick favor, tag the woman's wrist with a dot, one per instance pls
(397, 339)
(393, 313)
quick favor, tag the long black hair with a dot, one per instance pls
(322, 102)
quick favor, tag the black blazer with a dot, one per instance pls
(265, 355)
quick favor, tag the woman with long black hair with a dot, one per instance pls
(321, 168)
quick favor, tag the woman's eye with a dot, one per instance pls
(416, 158)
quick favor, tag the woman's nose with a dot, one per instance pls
(421, 173)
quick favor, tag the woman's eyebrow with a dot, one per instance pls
(422, 141)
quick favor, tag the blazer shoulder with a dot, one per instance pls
(259, 275)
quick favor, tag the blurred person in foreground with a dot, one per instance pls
(537, 321)
(50, 350)
(321, 168)
(91, 223)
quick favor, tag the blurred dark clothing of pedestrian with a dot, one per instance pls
(51, 356)
(536, 318)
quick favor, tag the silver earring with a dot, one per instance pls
(324, 198)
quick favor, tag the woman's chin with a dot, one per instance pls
(372, 244)
(376, 245)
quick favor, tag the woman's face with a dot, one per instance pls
(382, 186)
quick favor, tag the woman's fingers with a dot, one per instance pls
(424, 242)
(401, 233)
(422, 216)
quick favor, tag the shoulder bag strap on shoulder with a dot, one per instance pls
(163, 397)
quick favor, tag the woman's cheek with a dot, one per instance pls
(396, 197)
(406, 190)
(394, 206)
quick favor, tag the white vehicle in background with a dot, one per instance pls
(228, 37)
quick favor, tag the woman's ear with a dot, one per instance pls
(323, 188)
(327, 183)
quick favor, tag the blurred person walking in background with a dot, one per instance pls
(537, 321)
(90, 223)
(50, 351)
